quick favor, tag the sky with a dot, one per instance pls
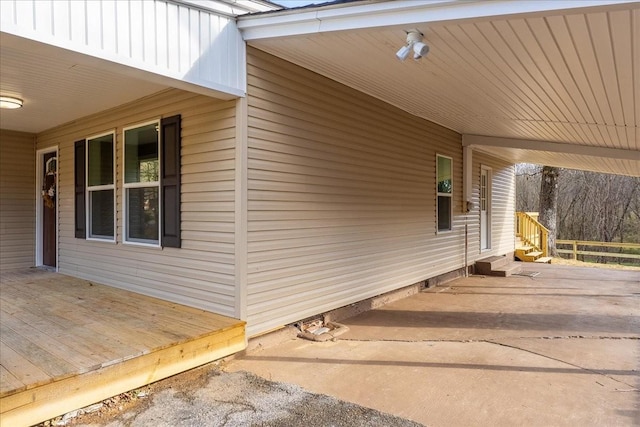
(297, 3)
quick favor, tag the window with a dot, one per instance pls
(142, 184)
(151, 185)
(100, 187)
(444, 183)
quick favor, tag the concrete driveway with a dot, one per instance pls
(560, 348)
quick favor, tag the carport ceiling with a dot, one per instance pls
(564, 72)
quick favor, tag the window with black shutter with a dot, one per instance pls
(151, 185)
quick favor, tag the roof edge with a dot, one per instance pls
(230, 8)
(343, 16)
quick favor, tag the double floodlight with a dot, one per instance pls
(415, 45)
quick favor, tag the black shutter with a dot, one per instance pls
(80, 203)
(170, 181)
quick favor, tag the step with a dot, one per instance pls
(525, 248)
(522, 251)
(531, 256)
(544, 260)
(527, 253)
(507, 270)
(487, 265)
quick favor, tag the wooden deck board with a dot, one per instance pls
(79, 340)
(94, 316)
(82, 320)
(9, 380)
(53, 365)
(21, 367)
(66, 343)
(104, 298)
(72, 353)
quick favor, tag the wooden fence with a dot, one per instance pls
(589, 249)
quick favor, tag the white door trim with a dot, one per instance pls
(39, 204)
(485, 223)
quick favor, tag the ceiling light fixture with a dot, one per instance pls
(10, 102)
(415, 44)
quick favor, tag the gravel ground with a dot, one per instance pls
(209, 397)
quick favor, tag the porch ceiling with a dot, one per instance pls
(565, 73)
(58, 86)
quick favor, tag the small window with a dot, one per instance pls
(101, 187)
(444, 173)
(142, 184)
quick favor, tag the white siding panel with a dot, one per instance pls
(17, 200)
(155, 35)
(201, 273)
(503, 197)
(341, 196)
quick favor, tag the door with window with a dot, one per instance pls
(49, 195)
(485, 208)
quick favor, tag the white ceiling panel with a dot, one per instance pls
(570, 76)
(57, 87)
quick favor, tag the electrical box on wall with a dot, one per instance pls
(468, 206)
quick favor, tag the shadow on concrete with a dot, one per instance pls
(415, 364)
(592, 323)
(492, 286)
(540, 294)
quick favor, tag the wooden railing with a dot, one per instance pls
(532, 232)
(575, 252)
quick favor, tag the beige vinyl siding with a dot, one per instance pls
(341, 195)
(17, 199)
(503, 199)
(201, 273)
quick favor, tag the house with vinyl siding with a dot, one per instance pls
(270, 164)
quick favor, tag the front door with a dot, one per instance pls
(485, 208)
(49, 195)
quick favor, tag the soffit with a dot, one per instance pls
(58, 86)
(568, 76)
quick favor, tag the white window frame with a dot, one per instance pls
(126, 186)
(88, 189)
(438, 194)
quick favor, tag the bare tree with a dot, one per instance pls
(527, 187)
(549, 204)
(598, 207)
(590, 206)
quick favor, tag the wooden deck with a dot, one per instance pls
(66, 343)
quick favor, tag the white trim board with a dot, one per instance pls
(554, 147)
(341, 17)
